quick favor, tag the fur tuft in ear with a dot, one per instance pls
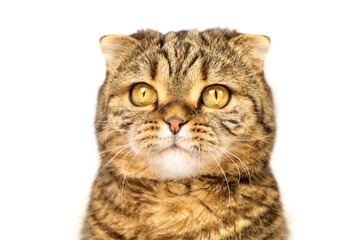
(116, 47)
(259, 46)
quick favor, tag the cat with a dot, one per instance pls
(185, 126)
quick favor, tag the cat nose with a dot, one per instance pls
(175, 124)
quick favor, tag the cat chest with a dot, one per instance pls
(165, 213)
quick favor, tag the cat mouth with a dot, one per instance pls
(175, 147)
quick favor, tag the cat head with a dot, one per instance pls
(185, 104)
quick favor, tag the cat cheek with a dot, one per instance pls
(185, 132)
(164, 131)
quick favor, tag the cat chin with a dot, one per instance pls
(174, 163)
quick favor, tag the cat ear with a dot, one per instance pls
(116, 47)
(259, 46)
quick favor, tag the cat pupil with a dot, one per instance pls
(211, 92)
(143, 91)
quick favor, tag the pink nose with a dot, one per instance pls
(175, 124)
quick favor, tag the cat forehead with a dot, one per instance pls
(179, 59)
(182, 69)
(215, 44)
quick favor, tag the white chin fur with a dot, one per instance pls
(174, 164)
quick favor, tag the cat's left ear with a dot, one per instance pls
(259, 46)
(117, 47)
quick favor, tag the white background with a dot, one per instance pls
(51, 67)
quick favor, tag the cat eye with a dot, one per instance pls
(143, 94)
(215, 96)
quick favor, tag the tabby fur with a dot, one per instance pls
(232, 194)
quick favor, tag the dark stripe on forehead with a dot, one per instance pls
(190, 64)
(166, 56)
(153, 68)
(193, 61)
(182, 59)
(187, 48)
(205, 69)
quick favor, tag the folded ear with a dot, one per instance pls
(259, 46)
(115, 48)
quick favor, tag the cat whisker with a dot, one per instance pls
(107, 135)
(195, 158)
(227, 184)
(140, 117)
(247, 129)
(107, 164)
(124, 174)
(112, 149)
(241, 162)
(104, 122)
(249, 140)
(123, 166)
(214, 146)
(217, 166)
(124, 179)
(198, 159)
(210, 120)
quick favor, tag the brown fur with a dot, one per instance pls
(217, 203)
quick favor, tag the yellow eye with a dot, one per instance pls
(215, 96)
(143, 95)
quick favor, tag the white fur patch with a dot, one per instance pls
(174, 163)
(176, 159)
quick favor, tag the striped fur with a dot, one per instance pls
(232, 193)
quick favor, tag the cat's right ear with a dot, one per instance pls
(116, 47)
(259, 46)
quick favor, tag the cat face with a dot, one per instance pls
(185, 104)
